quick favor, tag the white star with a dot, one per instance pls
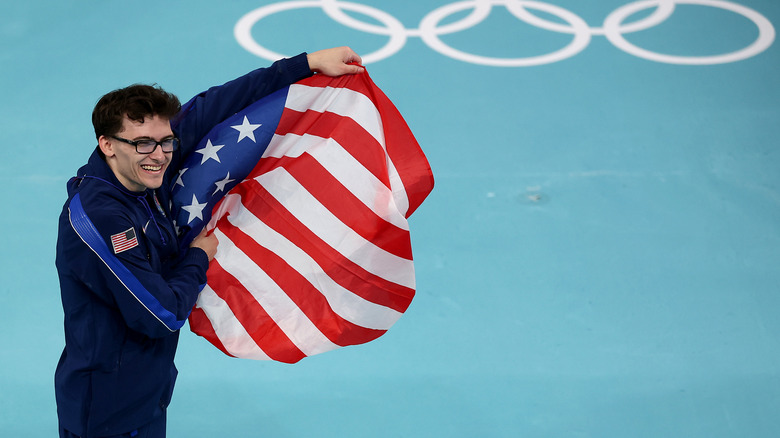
(210, 151)
(246, 130)
(221, 184)
(179, 180)
(195, 209)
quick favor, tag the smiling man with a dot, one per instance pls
(147, 171)
(126, 285)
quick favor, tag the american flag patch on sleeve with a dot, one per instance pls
(124, 241)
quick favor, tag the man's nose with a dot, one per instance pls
(157, 153)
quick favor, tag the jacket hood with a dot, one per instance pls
(97, 169)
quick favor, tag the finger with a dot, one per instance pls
(352, 55)
(354, 69)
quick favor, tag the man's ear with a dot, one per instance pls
(106, 146)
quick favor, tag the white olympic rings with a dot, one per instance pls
(430, 30)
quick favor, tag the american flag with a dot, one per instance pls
(308, 191)
(124, 240)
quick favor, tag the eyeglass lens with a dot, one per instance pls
(148, 146)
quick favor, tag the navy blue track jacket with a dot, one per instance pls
(126, 286)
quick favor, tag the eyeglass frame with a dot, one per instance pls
(134, 143)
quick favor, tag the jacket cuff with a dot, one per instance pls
(298, 66)
(199, 258)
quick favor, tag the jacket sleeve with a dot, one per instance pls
(125, 277)
(211, 107)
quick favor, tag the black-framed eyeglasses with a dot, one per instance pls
(148, 146)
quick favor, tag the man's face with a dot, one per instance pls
(138, 172)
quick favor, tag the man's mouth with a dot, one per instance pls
(151, 167)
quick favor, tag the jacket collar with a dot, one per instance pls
(98, 168)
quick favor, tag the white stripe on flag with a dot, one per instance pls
(227, 327)
(358, 107)
(314, 216)
(399, 190)
(284, 312)
(341, 101)
(345, 168)
(344, 303)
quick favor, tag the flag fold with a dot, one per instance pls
(308, 191)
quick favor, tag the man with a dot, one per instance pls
(126, 285)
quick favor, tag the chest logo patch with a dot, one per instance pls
(124, 240)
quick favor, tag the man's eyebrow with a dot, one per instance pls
(146, 137)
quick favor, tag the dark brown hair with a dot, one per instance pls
(137, 102)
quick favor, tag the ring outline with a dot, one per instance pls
(242, 31)
(766, 34)
(613, 29)
(578, 44)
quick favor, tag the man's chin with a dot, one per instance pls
(153, 183)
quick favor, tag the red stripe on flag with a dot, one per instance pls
(351, 82)
(308, 299)
(343, 204)
(255, 320)
(200, 324)
(405, 152)
(348, 274)
(347, 133)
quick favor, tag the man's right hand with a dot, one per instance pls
(335, 62)
(206, 242)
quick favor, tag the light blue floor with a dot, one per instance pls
(598, 259)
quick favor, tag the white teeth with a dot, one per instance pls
(151, 168)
